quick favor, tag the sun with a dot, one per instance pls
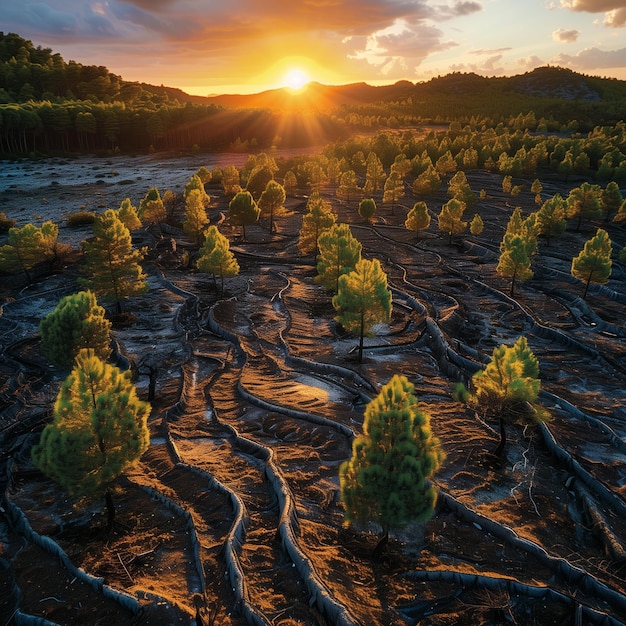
(296, 79)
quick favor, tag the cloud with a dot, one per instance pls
(527, 64)
(615, 18)
(614, 10)
(489, 51)
(592, 6)
(565, 36)
(401, 47)
(593, 59)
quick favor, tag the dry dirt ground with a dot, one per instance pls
(233, 515)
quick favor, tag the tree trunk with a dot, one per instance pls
(499, 451)
(587, 284)
(380, 546)
(361, 336)
(152, 383)
(110, 511)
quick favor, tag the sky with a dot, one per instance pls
(207, 47)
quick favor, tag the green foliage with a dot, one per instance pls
(374, 174)
(509, 385)
(231, 181)
(394, 189)
(584, 202)
(551, 217)
(216, 258)
(128, 215)
(111, 264)
(195, 213)
(387, 478)
(459, 188)
(5, 223)
(339, 252)
(320, 218)
(195, 184)
(243, 210)
(514, 261)
(272, 200)
(620, 216)
(362, 299)
(348, 188)
(594, 264)
(290, 183)
(418, 218)
(99, 428)
(445, 164)
(451, 218)
(82, 218)
(77, 322)
(611, 199)
(536, 188)
(367, 208)
(151, 208)
(476, 225)
(29, 246)
(427, 182)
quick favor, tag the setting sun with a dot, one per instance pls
(296, 79)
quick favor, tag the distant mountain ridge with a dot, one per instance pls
(545, 82)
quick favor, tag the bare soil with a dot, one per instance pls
(233, 515)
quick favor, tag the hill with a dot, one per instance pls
(544, 82)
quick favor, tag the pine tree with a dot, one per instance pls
(451, 218)
(427, 182)
(445, 164)
(476, 225)
(459, 188)
(243, 210)
(594, 264)
(620, 216)
(128, 215)
(611, 199)
(514, 260)
(319, 219)
(77, 322)
(536, 188)
(272, 200)
(418, 218)
(387, 479)
(394, 189)
(367, 208)
(374, 174)
(231, 180)
(195, 184)
(348, 188)
(151, 208)
(508, 387)
(29, 246)
(290, 183)
(195, 213)
(99, 429)
(216, 258)
(111, 264)
(363, 300)
(584, 202)
(551, 220)
(509, 380)
(339, 252)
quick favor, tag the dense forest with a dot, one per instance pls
(50, 106)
